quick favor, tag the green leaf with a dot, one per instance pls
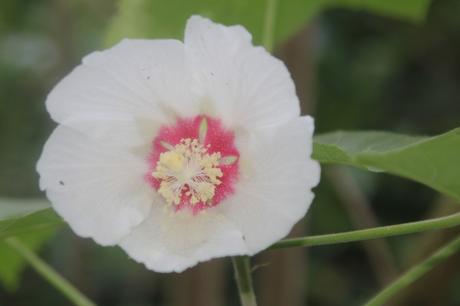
(17, 207)
(22, 216)
(32, 221)
(12, 265)
(433, 161)
(166, 19)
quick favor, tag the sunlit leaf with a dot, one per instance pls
(433, 161)
(166, 19)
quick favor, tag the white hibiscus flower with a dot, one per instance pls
(180, 152)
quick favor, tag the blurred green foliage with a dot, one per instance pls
(166, 19)
(376, 74)
(29, 220)
(12, 265)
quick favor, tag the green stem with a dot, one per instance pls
(416, 272)
(49, 273)
(372, 233)
(242, 269)
(269, 24)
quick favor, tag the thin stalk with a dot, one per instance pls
(242, 269)
(269, 24)
(49, 273)
(415, 273)
(372, 233)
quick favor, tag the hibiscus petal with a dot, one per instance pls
(105, 96)
(173, 242)
(274, 189)
(99, 190)
(247, 86)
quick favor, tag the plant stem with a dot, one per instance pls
(269, 24)
(242, 269)
(49, 273)
(372, 233)
(416, 272)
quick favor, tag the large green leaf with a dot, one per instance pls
(166, 19)
(22, 216)
(433, 161)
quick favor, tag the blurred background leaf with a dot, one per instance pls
(12, 208)
(30, 220)
(12, 265)
(166, 19)
(19, 216)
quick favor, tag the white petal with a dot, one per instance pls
(99, 190)
(173, 242)
(106, 95)
(274, 189)
(246, 85)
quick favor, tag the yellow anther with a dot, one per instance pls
(172, 160)
(188, 170)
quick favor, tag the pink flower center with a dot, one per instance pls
(194, 163)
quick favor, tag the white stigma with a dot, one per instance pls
(188, 169)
